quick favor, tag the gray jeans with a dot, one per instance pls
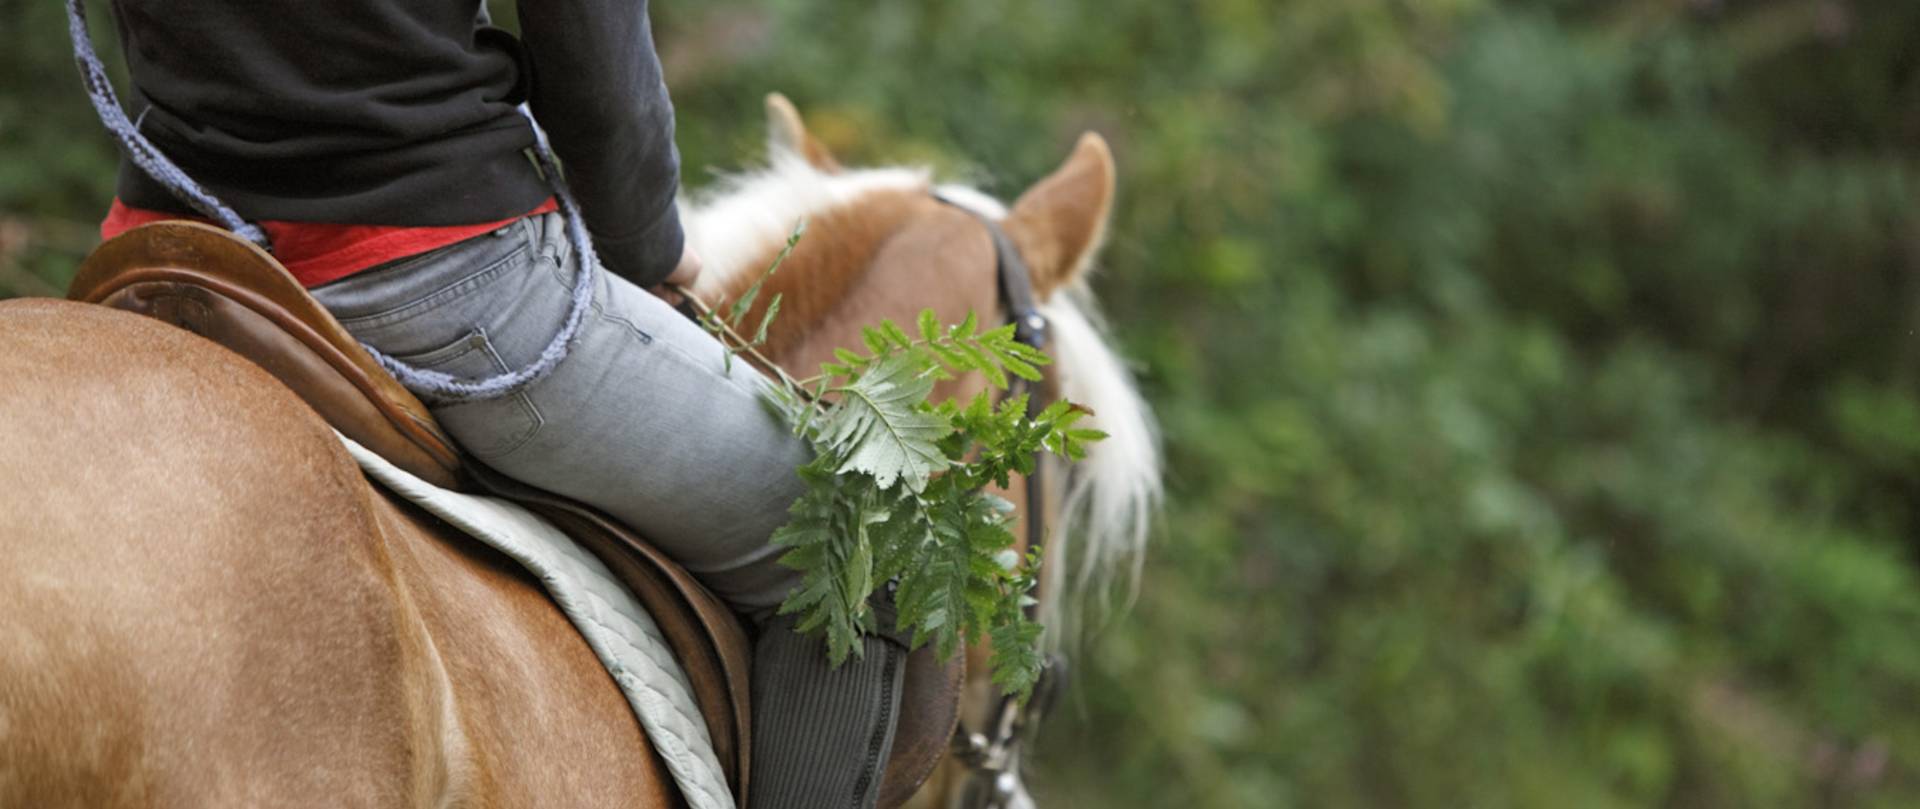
(641, 420)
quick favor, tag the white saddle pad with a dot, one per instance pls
(613, 622)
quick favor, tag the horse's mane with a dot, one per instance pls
(741, 223)
(1108, 500)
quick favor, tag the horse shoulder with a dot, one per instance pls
(204, 603)
(541, 721)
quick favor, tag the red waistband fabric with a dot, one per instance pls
(318, 252)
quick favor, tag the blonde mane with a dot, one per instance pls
(744, 219)
(1105, 504)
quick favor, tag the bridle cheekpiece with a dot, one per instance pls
(992, 757)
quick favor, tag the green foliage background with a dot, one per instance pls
(1538, 378)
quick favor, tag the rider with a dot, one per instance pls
(379, 147)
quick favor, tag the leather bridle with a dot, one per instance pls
(992, 755)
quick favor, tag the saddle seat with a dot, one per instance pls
(213, 283)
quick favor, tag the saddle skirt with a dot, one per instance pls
(215, 284)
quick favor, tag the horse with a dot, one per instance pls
(203, 602)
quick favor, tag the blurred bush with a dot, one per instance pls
(1539, 378)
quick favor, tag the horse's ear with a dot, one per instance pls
(787, 133)
(1059, 223)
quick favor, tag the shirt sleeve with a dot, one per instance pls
(597, 89)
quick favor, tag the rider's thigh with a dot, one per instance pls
(642, 420)
(645, 421)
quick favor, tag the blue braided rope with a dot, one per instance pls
(452, 389)
(138, 149)
(435, 384)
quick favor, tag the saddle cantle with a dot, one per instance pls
(215, 284)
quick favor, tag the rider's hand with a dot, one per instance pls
(682, 277)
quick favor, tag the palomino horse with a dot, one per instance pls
(204, 603)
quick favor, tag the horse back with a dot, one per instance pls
(203, 603)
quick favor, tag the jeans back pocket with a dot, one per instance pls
(487, 429)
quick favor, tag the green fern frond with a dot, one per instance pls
(897, 490)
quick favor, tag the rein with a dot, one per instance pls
(992, 756)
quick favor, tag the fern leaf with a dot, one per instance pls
(880, 426)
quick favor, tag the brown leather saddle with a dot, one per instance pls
(215, 284)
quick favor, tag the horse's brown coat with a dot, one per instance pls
(204, 604)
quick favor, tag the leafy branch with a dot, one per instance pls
(896, 493)
(726, 326)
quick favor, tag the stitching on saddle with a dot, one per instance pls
(679, 735)
(676, 672)
(690, 724)
(661, 649)
(644, 629)
(591, 608)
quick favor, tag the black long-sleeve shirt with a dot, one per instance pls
(402, 112)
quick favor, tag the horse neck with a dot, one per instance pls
(886, 255)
